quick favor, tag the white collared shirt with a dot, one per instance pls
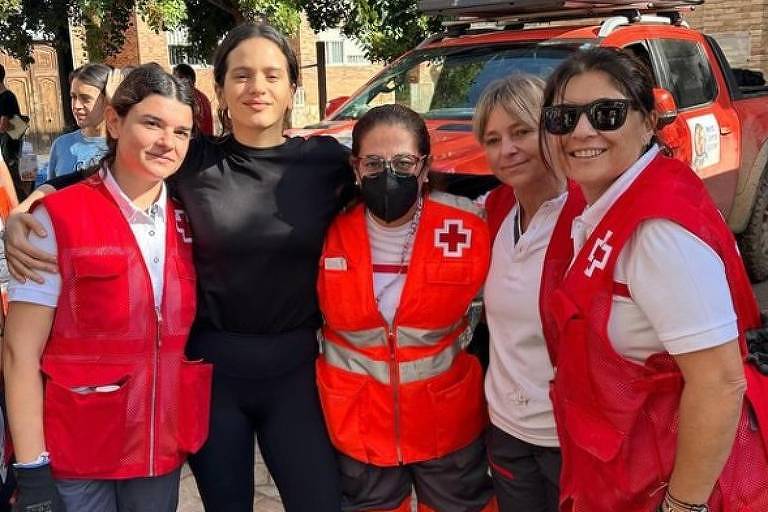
(517, 382)
(148, 228)
(390, 265)
(680, 300)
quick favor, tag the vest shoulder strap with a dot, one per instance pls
(498, 204)
(459, 202)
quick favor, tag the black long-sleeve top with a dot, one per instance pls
(258, 219)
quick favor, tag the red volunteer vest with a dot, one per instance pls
(408, 392)
(618, 420)
(559, 252)
(120, 399)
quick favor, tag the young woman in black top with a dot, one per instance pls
(259, 205)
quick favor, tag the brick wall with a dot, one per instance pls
(142, 45)
(340, 80)
(739, 27)
(129, 55)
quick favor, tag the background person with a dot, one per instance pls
(83, 148)
(402, 399)
(110, 425)
(650, 378)
(203, 113)
(532, 210)
(10, 148)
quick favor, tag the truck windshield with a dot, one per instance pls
(445, 83)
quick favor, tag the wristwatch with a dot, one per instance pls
(689, 508)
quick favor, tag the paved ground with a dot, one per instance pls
(265, 500)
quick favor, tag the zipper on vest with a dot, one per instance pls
(394, 377)
(155, 371)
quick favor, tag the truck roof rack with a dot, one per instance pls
(546, 10)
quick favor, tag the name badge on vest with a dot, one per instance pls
(453, 238)
(338, 263)
(598, 256)
(182, 226)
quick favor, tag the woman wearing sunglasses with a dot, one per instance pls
(649, 383)
(532, 206)
(402, 399)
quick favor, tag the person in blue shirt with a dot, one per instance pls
(83, 148)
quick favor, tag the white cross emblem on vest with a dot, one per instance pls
(602, 248)
(452, 238)
(182, 226)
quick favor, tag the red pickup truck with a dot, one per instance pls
(710, 117)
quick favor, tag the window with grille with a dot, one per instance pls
(179, 49)
(334, 53)
(340, 50)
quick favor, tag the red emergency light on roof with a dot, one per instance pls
(486, 8)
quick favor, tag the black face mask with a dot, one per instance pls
(389, 197)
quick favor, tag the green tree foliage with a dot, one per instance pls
(208, 20)
(385, 28)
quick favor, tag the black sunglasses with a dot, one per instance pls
(604, 115)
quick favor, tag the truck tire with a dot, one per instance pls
(753, 242)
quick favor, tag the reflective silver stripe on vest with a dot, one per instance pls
(376, 337)
(415, 337)
(354, 362)
(427, 367)
(410, 371)
(462, 203)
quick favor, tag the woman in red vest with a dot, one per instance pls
(532, 206)
(650, 379)
(103, 406)
(402, 399)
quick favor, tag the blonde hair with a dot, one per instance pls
(520, 94)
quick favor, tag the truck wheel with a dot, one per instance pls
(753, 242)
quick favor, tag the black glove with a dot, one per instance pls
(37, 491)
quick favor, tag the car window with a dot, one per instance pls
(446, 83)
(691, 80)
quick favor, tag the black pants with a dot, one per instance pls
(455, 482)
(257, 390)
(525, 476)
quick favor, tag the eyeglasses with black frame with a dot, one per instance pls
(605, 115)
(401, 166)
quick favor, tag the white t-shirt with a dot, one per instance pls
(517, 382)
(390, 266)
(681, 301)
(148, 228)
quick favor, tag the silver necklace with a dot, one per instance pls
(404, 253)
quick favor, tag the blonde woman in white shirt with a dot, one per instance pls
(531, 204)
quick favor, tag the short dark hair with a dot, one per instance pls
(2, 73)
(185, 71)
(394, 114)
(233, 39)
(144, 81)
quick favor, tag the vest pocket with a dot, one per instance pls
(100, 280)
(84, 417)
(459, 408)
(194, 404)
(345, 404)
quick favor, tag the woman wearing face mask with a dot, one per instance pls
(83, 148)
(402, 399)
(259, 204)
(651, 314)
(119, 408)
(530, 212)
